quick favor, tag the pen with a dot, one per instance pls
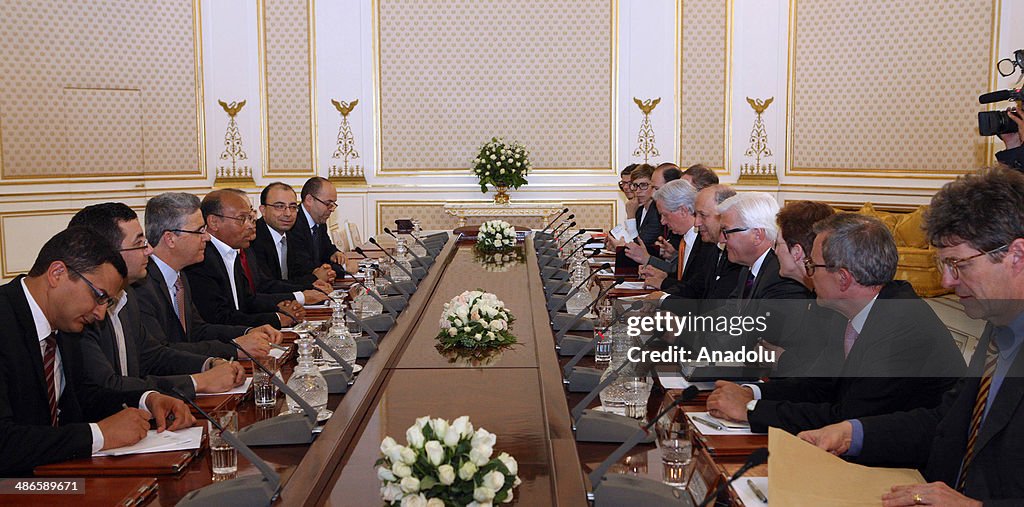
(708, 423)
(757, 491)
(278, 347)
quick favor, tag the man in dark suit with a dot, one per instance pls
(225, 282)
(971, 445)
(892, 354)
(177, 233)
(119, 352)
(309, 245)
(46, 413)
(279, 209)
(721, 281)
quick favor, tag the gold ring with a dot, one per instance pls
(918, 500)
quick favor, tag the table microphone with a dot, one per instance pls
(399, 264)
(260, 489)
(556, 281)
(553, 235)
(559, 319)
(621, 490)
(582, 379)
(599, 426)
(562, 228)
(566, 242)
(430, 260)
(338, 379)
(546, 227)
(555, 302)
(758, 457)
(577, 248)
(388, 278)
(285, 429)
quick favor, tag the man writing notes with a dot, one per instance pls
(972, 445)
(46, 413)
(119, 352)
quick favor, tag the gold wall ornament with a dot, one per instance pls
(758, 174)
(345, 149)
(235, 175)
(645, 138)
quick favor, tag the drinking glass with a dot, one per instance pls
(637, 393)
(264, 391)
(223, 455)
(676, 447)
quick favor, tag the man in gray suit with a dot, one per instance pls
(119, 352)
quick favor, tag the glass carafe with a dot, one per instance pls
(307, 381)
(401, 259)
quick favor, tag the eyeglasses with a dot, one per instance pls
(809, 266)
(248, 218)
(329, 204)
(639, 186)
(201, 230)
(143, 246)
(624, 185)
(953, 265)
(734, 230)
(102, 298)
(280, 206)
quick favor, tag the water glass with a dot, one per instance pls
(637, 393)
(676, 447)
(223, 455)
(264, 391)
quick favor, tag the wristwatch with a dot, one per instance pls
(751, 405)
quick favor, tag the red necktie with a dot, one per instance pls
(245, 268)
(49, 361)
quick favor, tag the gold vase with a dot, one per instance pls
(501, 196)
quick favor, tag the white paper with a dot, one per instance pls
(188, 438)
(625, 232)
(632, 285)
(747, 495)
(238, 390)
(277, 353)
(731, 428)
(679, 382)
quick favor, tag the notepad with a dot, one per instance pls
(238, 390)
(731, 427)
(633, 285)
(188, 438)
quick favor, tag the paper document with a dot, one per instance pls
(709, 425)
(277, 353)
(677, 381)
(238, 390)
(188, 438)
(632, 285)
(625, 232)
(802, 474)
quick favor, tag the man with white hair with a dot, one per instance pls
(749, 231)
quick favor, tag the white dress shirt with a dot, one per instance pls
(170, 277)
(691, 239)
(227, 255)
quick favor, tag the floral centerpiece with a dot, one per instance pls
(495, 236)
(502, 165)
(445, 464)
(499, 262)
(473, 320)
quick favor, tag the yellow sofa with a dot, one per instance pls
(917, 257)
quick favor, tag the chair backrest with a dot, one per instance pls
(352, 234)
(340, 239)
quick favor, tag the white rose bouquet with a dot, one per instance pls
(474, 320)
(495, 236)
(501, 164)
(445, 464)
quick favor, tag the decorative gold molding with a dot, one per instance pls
(432, 203)
(261, 29)
(200, 172)
(911, 174)
(4, 273)
(378, 169)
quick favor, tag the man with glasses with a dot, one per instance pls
(309, 245)
(279, 209)
(226, 282)
(176, 230)
(47, 414)
(971, 445)
(894, 353)
(119, 352)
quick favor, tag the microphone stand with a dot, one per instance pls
(565, 322)
(598, 426)
(616, 490)
(338, 379)
(413, 277)
(260, 489)
(556, 303)
(581, 379)
(552, 222)
(423, 261)
(285, 429)
(553, 285)
(401, 290)
(755, 458)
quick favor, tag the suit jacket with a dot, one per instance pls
(696, 273)
(649, 230)
(263, 252)
(26, 437)
(904, 358)
(213, 293)
(150, 363)
(301, 257)
(159, 317)
(935, 440)
(806, 324)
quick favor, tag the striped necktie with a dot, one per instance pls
(49, 363)
(980, 402)
(179, 301)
